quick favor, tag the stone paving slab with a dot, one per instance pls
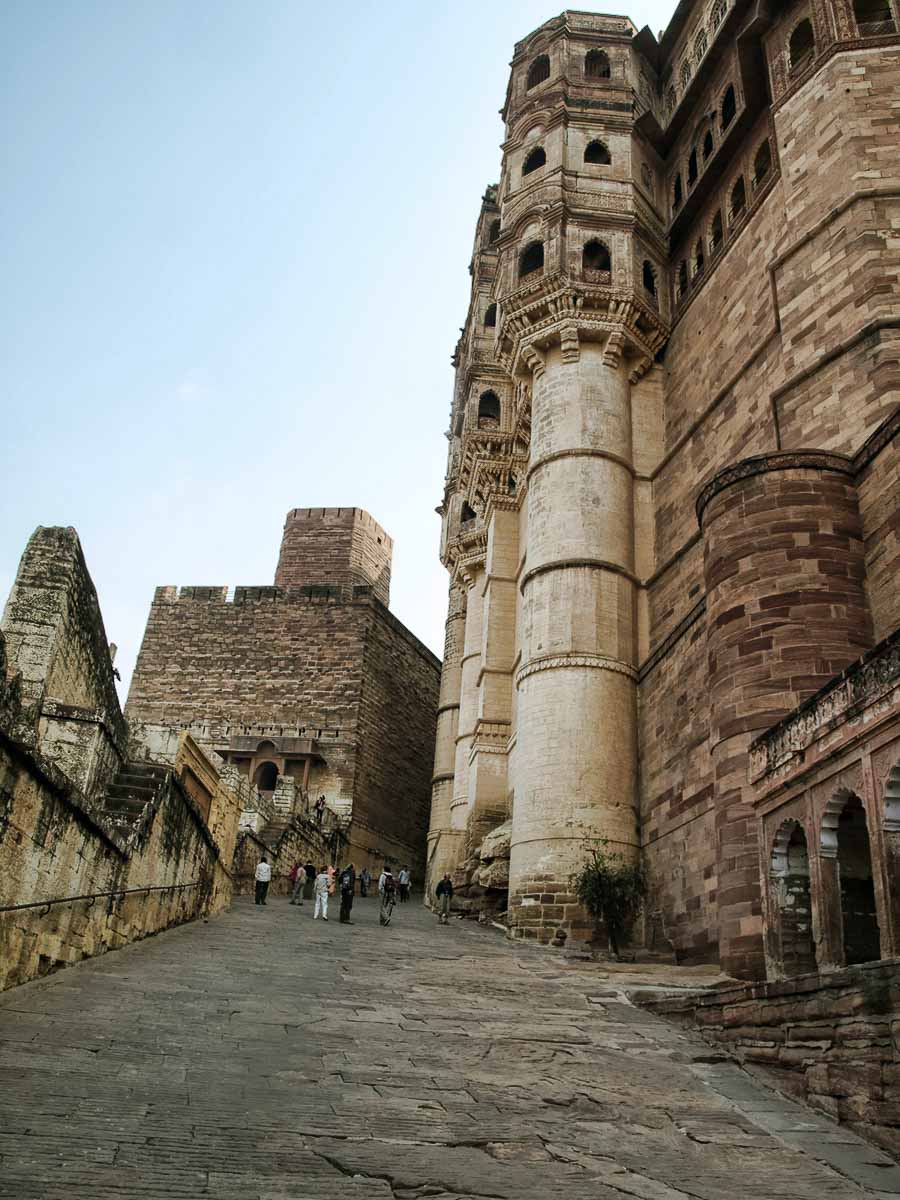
(267, 1057)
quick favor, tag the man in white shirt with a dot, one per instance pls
(321, 892)
(404, 879)
(263, 876)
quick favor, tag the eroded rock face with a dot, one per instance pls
(497, 843)
(493, 875)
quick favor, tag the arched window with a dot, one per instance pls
(490, 316)
(692, 168)
(873, 17)
(685, 73)
(845, 836)
(649, 277)
(538, 71)
(717, 16)
(715, 232)
(596, 65)
(789, 873)
(700, 45)
(729, 107)
(532, 259)
(801, 46)
(266, 777)
(738, 198)
(467, 512)
(597, 152)
(535, 159)
(671, 100)
(596, 257)
(488, 411)
(676, 192)
(682, 278)
(707, 145)
(699, 258)
(494, 231)
(762, 164)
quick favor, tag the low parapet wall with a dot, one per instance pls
(832, 1040)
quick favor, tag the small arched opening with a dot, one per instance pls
(845, 836)
(677, 193)
(649, 277)
(685, 74)
(598, 154)
(493, 232)
(729, 106)
(716, 232)
(873, 17)
(700, 45)
(699, 258)
(717, 16)
(490, 316)
(707, 144)
(738, 198)
(532, 259)
(762, 163)
(266, 776)
(535, 160)
(682, 278)
(596, 65)
(467, 512)
(538, 71)
(789, 872)
(488, 411)
(671, 100)
(801, 46)
(595, 258)
(692, 168)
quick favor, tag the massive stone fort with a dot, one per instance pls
(671, 516)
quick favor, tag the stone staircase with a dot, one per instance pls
(136, 784)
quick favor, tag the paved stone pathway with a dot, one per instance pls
(263, 1056)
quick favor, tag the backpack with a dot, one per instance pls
(389, 885)
(346, 881)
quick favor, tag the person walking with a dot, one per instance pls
(309, 883)
(298, 879)
(320, 809)
(387, 890)
(321, 890)
(404, 879)
(263, 878)
(364, 880)
(348, 886)
(444, 894)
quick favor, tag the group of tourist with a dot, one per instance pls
(309, 883)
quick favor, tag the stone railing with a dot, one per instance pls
(862, 683)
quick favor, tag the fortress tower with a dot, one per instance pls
(668, 325)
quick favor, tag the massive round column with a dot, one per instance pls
(444, 843)
(576, 740)
(470, 671)
(786, 611)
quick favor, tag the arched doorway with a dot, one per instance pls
(266, 777)
(791, 890)
(846, 836)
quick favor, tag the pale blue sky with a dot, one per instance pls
(235, 239)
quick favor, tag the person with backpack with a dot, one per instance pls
(348, 885)
(444, 894)
(387, 890)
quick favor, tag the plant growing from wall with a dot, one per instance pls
(611, 889)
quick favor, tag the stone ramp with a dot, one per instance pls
(265, 1056)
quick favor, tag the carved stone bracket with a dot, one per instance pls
(615, 348)
(571, 350)
(534, 360)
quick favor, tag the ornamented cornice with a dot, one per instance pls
(762, 464)
(558, 662)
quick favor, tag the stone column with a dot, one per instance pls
(576, 746)
(786, 610)
(488, 786)
(445, 844)
(470, 670)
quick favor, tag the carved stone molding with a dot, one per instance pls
(762, 464)
(558, 662)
